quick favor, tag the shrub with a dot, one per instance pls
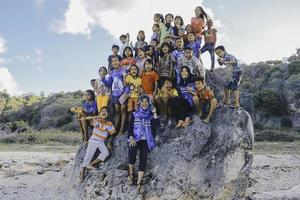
(286, 123)
(294, 67)
(270, 102)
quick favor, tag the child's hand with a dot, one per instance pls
(189, 89)
(132, 142)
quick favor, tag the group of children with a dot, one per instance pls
(166, 74)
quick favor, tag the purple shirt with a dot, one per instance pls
(117, 81)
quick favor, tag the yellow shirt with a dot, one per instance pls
(173, 91)
(137, 82)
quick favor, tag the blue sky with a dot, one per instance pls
(58, 45)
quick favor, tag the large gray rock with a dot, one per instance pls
(201, 162)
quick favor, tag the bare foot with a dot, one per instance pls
(179, 124)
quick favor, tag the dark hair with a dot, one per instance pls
(169, 14)
(179, 17)
(104, 107)
(112, 57)
(191, 33)
(168, 79)
(166, 44)
(222, 48)
(92, 80)
(199, 79)
(188, 48)
(91, 93)
(155, 40)
(138, 35)
(184, 82)
(161, 17)
(102, 68)
(115, 46)
(148, 61)
(137, 68)
(178, 38)
(124, 56)
(122, 36)
(203, 13)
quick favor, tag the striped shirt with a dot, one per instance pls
(102, 130)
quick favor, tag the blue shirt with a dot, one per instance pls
(236, 67)
(90, 107)
(195, 46)
(117, 82)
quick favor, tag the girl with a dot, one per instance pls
(178, 53)
(128, 58)
(141, 43)
(166, 28)
(179, 25)
(102, 130)
(198, 22)
(141, 60)
(103, 88)
(118, 76)
(149, 80)
(182, 107)
(141, 132)
(159, 19)
(166, 64)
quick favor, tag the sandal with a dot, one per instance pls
(130, 179)
(141, 188)
(82, 177)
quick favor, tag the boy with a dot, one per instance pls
(115, 49)
(192, 62)
(102, 88)
(125, 42)
(204, 100)
(165, 94)
(210, 39)
(193, 44)
(134, 82)
(233, 84)
(149, 80)
(102, 130)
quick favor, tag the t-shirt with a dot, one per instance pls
(194, 65)
(195, 46)
(117, 81)
(140, 63)
(236, 67)
(173, 92)
(166, 66)
(197, 26)
(177, 54)
(148, 81)
(205, 95)
(127, 62)
(210, 36)
(137, 82)
(102, 130)
(90, 107)
(103, 86)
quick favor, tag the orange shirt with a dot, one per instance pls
(210, 36)
(205, 95)
(148, 81)
(197, 26)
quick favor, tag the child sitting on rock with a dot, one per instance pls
(204, 100)
(102, 130)
(149, 80)
(232, 84)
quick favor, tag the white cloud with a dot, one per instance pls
(2, 45)
(8, 83)
(35, 59)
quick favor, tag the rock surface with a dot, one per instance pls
(201, 162)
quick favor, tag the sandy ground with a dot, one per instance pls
(41, 172)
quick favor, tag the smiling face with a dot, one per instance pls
(191, 37)
(115, 50)
(128, 52)
(177, 21)
(115, 63)
(141, 35)
(141, 54)
(165, 49)
(184, 73)
(169, 18)
(220, 53)
(179, 43)
(199, 85)
(156, 18)
(102, 72)
(198, 11)
(133, 70)
(188, 53)
(188, 28)
(148, 66)
(103, 113)
(168, 85)
(149, 51)
(144, 103)
(123, 40)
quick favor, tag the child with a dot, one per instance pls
(133, 79)
(103, 88)
(85, 114)
(233, 84)
(128, 58)
(165, 94)
(188, 29)
(155, 29)
(182, 107)
(118, 76)
(198, 22)
(102, 130)
(125, 42)
(166, 64)
(192, 43)
(178, 53)
(149, 80)
(152, 54)
(167, 28)
(159, 19)
(141, 60)
(192, 62)
(179, 25)
(210, 39)
(204, 100)
(141, 43)
(115, 50)
(141, 132)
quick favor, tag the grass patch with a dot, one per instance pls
(49, 137)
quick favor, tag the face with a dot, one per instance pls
(210, 23)
(181, 32)
(169, 19)
(128, 52)
(197, 11)
(191, 37)
(115, 63)
(165, 49)
(199, 85)
(88, 97)
(167, 40)
(133, 70)
(144, 103)
(188, 28)
(150, 51)
(102, 72)
(220, 53)
(168, 85)
(115, 50)
(188, 53)
(93, 83)
(156, 18)
(155, 28)
(153, 43)
(104, 113)
(123, 40)
(148, 67)
(177, 21)
(179, 44)
(184, 73)
(141, 53)
(141, 35)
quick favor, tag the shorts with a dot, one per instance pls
(115, 99)
(132, 104)
(205, 107)
(102, 101)
(235, 81)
